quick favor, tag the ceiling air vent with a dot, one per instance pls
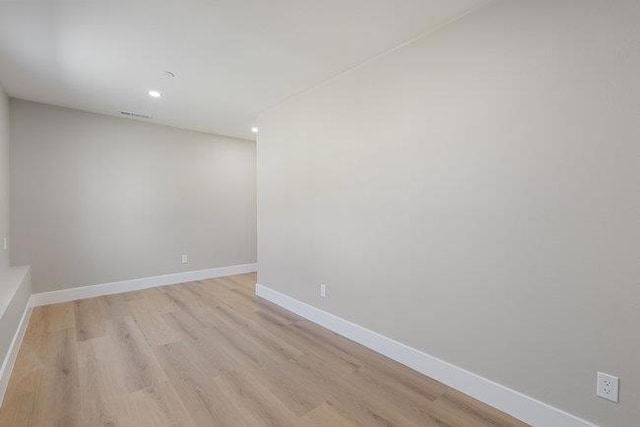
(130, 114)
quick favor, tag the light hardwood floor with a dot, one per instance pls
(210, 353)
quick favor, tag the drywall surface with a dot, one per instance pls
(5, 193)
(474, 194)
(16, 290)
(100, 199)
(15, 287)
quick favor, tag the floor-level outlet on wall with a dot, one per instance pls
(185, 259)
(607, 387)
(323, 291)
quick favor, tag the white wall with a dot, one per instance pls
(4, 177)
(15, 286)
(99, 199)
(474, 195)
(6, 289)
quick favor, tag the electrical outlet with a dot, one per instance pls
(185, 259)
(607, 386)
(323, 291)
(4, 244)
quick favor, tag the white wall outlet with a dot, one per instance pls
(323, 291)
(185, 259)
(607, 386)
(4, 243)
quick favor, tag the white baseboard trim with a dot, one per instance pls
(512, 402)
(82, 292)
(14, 348)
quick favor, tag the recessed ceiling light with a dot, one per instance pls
(154, 94)
(169, 74)
(254, 129)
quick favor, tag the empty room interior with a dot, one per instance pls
(320, 213)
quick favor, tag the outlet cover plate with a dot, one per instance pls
(607, 386)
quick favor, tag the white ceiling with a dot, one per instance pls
(233, 58)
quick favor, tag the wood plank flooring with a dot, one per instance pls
(210, 353)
